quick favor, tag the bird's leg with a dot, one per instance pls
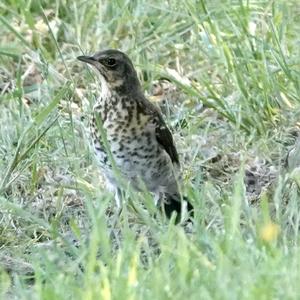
(157, 197)
(118, 198)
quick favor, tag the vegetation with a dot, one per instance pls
(228, 80)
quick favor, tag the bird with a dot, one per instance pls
(130, 137)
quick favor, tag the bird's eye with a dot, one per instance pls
(110, 62)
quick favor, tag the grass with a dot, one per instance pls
(234, 106)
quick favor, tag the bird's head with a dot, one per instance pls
(115, 68)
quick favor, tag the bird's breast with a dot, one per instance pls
(131, 138)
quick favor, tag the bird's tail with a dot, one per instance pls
(174, 203)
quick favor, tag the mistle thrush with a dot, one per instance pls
(129, 132)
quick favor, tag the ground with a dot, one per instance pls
(226, 76)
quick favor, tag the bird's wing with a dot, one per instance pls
(163, 134)
(165, 138)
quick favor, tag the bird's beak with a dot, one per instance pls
(87, 59)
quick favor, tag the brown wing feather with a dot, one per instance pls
(163, 134)
(165, 138)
